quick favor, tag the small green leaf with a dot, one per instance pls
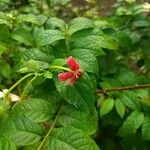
(54, 23)
(48, 75)
(131, 124)
(79, 24)
(69, 138)
(36, 19)
(5, 70)
(48, 37)
(146, 129)
(120, 107)
(131, 100)
(58, 62)
(106, 106)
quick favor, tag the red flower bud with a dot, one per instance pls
(65, 75)
(72, 64)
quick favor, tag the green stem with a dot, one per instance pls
(25, 89)
(50, 130)
(14, 85)
(60, 67)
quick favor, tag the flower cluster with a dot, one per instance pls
(72, 75)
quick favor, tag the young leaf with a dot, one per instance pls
(69, 138)
(80, 119)
(120, 107)
(35, 109)
(48, 37)
(146, 129)
(86, 59)
(131, 124)
(107, 106)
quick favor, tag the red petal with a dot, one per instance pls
(72, 64)
(64, 76)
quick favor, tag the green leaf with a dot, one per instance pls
(92, 40)
(131, 124)
(123, 40)
(2, 49)
(106, 106)
(20, 130)
(146, 129)
(43, 55)
(102, 23)
(6, 144)
(127, 77)
(33, 59)
(23, 36)
(48, 75)
(78, 24)
(81, 94)
(6, 19)
(131, 100)
(141, 23)
(69, 138)
(21, 138)
(48, 37)
(31, 18)
(5, 70)
(6, 127)
(24, 124)
(80, 119)
(58, 62)
(86, 60)
(37, 110)
(54, 23)
(120, 107)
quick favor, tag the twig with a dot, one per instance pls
(123, 88)
(50, 130)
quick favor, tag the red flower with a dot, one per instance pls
(75, 72)
(72, 63)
